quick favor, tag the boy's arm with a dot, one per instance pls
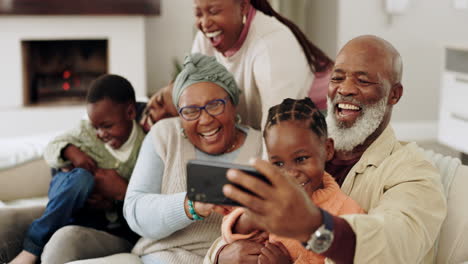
(78, 158)
(54, 151)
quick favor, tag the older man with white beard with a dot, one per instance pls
(398, 188)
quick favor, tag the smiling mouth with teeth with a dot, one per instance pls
(347, 109)
(212, 34)
(344, 106)
(210, 133)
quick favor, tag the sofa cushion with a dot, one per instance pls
(27, 180)
(18, 150)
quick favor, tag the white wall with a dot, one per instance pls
(419, 35)
(322, 25)
(168, 36)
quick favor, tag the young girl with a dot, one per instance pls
(297, 142)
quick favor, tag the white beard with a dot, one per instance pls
(346, 139)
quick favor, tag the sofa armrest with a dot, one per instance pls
(30, 179)
(453, 240)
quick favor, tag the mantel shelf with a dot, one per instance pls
(79, 7)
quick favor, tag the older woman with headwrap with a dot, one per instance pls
(156, 204)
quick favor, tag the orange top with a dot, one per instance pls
(330, 198)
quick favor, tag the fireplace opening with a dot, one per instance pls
(58, 72)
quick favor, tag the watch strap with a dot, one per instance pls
(327, 219)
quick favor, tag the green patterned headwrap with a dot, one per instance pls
(202, 68)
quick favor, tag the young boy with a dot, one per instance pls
(95, 161)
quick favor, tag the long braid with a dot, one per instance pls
(300, 109)
(318, 61)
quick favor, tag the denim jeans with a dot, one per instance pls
(68, 193)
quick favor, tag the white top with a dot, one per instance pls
(269, 67)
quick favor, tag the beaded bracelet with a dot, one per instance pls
(194, 214)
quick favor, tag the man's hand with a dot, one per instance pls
(78, 158)
(109, 184)
(159, 106)
(282, 208)
(274, 253)
(240, 251)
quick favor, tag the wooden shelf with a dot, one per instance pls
(79, 7)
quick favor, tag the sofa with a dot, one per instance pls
(23, 196)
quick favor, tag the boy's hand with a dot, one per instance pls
(274, 253)
(109, 184)
(78, 158)
(97, 201)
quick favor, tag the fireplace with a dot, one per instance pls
(58, 72)
(125, 56)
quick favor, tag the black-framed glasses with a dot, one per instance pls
(213, 108)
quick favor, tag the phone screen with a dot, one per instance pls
(205, 181)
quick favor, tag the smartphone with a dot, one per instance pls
(205, 181)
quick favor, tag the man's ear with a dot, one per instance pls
(395, 94)
(329, 148)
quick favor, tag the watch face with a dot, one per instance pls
(323, 240)
(320, 240)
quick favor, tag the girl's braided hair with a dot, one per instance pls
(298, 109)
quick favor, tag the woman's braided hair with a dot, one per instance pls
(298, 109)
(318, 61)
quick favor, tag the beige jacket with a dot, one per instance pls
(404, 198)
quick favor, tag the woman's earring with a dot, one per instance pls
(244, 19)
(238, 119)
(182, 132)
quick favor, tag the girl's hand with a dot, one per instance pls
(240, 251)
(274, 253)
